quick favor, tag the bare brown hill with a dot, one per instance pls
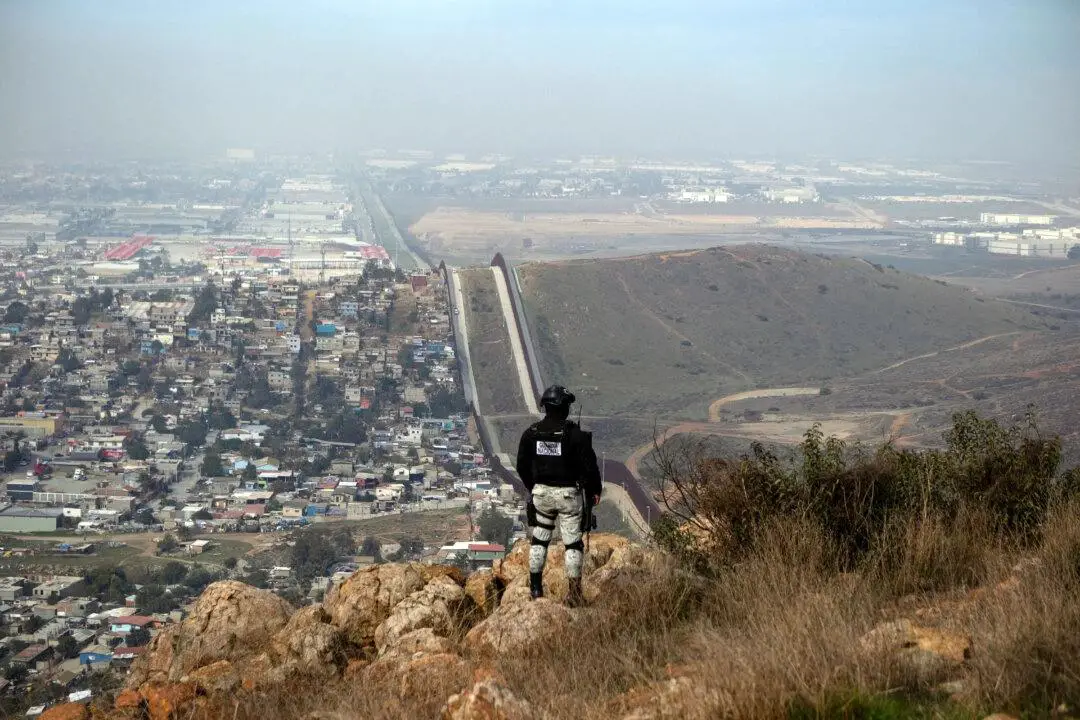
(665, 335)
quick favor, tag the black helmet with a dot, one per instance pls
(557, 396)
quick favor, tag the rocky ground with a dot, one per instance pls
(414, 641)
(420, 628)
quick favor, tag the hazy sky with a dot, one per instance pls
(929, 78)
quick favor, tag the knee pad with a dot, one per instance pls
(576, 545)
(537, 541)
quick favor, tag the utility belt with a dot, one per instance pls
(588, 518)
(557, 481)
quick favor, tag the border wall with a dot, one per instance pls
(614, 471)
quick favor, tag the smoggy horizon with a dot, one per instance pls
(954, 80)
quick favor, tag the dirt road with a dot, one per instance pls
(962, 346)
(714, 408)
(306, 333)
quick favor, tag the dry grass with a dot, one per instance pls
(777, 635)
(962, 564)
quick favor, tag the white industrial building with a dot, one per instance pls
(1031, 243)
(1069, 235)
(791, 195)
(703, 195)
(949, 238)
(1015, 219)
(1012, 246)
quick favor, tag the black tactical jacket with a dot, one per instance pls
(558, 453)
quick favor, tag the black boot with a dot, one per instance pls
(536, 585)
(574, 597)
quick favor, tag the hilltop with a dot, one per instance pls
(779, 635)
(666, 334)
(845, 583)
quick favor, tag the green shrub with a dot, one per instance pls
(999, 482)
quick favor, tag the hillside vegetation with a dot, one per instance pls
(665, 334)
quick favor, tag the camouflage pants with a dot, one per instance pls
(562, 505)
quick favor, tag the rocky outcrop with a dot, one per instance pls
(610, 559)
(239, 636)
(230, 621)
(519, 627)
(484, 590)
(419, 628)
(307, 646)
(67, 711)
(165, 702)
(925, 654)
(672, 699)
(488, 699)
(360, 604)
(221, 676)
(417, 660)
(441, 605)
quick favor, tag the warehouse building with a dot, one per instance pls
(34, 425)
(22, 490)
(1009, 219)
(18, 519)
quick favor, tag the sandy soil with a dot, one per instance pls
(454, 226)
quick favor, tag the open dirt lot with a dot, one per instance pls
(464, 230)
(1024, 281)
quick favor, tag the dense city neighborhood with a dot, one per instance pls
(231, 380)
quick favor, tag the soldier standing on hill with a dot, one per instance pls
(557, 464)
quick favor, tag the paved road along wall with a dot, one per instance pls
(460, 332)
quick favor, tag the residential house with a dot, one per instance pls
(127, 623)
(36, 657)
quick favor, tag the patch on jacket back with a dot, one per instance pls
(550, 449)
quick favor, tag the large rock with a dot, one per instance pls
(221, 676)
(484, 589)
(440, 605)
(170, 701)
(430, 572)
(924, 654)
(488, 699)
(418, 660)
(423, 640)
(406, 648)
(230, 621)
(676, 698)
(360, 604)
(517, 627)
(67, 711)
(609, 557)
(516, 562)
(308, 646)
(441, 674)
